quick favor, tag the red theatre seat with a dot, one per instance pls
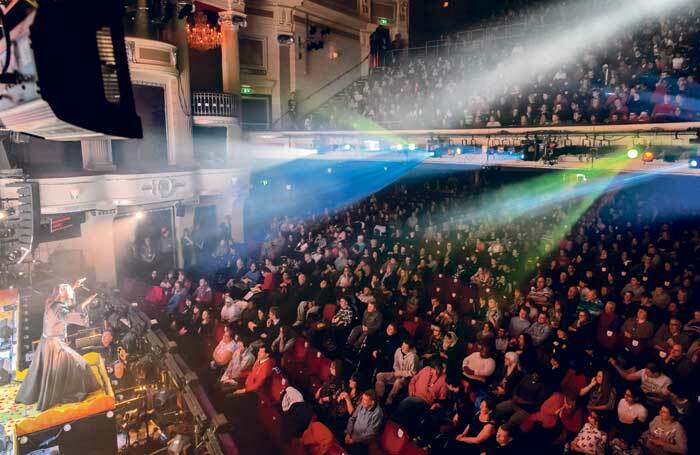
(392, 439)
(336, 449)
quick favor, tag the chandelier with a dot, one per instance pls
(201, 36)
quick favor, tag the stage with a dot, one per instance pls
(11, 412)
(96, 410)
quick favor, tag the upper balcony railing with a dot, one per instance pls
(216, 104)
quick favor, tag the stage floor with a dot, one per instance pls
(11, 412)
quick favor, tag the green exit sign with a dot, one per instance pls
(246, 90)
(382, 21)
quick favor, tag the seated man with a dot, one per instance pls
(364, 423)
(540, 330)
(241, 362)
(405, 366)
(262, 370)
(654, 383)
(223, 352)
(203, 295)
(371, 322)
(307, 309)
(251, 278)
(233, 309)
(528, 395)
(479, 366)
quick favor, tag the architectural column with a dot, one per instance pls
(184, 219)
(141, 19)
(402, 20)
(178, 98)
(98, 245)
(97, 154)
(364, 51)
(283, 55)
(230, 21)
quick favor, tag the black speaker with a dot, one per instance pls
(82, 67)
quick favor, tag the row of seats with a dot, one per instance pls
(307, 369)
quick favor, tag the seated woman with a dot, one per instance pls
(601, 394)
(511, 376)
(347, 400)
(631, 417)
(327, 395)
(590, 440)
(665, 435)
(206, 325)
(477, 435)
(448, 318)
(559, 413)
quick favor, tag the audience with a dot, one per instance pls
(648, 74)
(430, 334)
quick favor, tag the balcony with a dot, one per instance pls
(215, 108)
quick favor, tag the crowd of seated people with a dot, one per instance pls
(403, 321)
(645, 75)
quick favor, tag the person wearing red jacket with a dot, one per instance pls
(262, 369)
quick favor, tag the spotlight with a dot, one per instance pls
(347, 147)
(648, 156)
(386, 168)
(264, 182)
(288, 187)
(329, 170)
(458, 151)
(632, 153)
(139, 215)
(694, 163)
(285, 40)
(411, 147)
(399, 147)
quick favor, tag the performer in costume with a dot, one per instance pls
(57, 373)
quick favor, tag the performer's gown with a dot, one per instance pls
(57, 373)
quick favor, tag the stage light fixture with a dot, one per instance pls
(648, 156)
(458, 151)
(288, 187)
(139, 215)
(632, 153)
(329, 170)
(694, 163)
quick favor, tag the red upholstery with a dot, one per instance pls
(337, 449)
(219, 331)
(270, 418)
(412, 449)
(320, 374)
(293, 362)
(329, 310)
(393, 438)
(410, 327)
(218, 300)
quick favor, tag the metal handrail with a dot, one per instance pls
(216, 104)
(473, 37)
(282, 117)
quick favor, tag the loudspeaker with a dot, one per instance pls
(82, 67)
